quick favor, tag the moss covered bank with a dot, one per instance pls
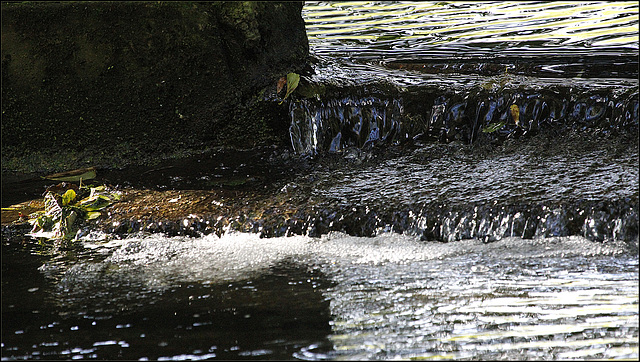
(112, 83)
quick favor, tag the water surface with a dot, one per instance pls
(392, 289)
(392, 31)
(337, 297)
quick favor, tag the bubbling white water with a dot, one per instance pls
(238, 255)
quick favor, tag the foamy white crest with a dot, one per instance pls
(235, 255)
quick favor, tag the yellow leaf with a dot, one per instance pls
(515, 114)
(93, 215)
(94, 203)
(74, 175)
(292, 82)
(68, 197)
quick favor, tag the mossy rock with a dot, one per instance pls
(103, 79)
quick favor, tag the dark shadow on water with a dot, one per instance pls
(274, 315)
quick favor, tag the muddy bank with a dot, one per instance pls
(115, 83)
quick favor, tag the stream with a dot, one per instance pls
(397, 226)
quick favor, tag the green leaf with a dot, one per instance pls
(63, 229)
(92, 215)
(292, 82)
(68, 197)
(493, 127)
(95, 203)
(42, 222)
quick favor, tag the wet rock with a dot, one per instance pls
(600, 221)
(539, 187)
(124, 82)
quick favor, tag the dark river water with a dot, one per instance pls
(463, 245)
(333, 297)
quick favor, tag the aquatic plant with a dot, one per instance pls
(63, 206)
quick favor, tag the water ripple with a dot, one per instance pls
(410, 30)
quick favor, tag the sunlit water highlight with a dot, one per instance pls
(399, 70)
(413, 30)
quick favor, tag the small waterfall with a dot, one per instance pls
(332, 125)
(425, 112)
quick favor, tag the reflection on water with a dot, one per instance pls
(414, 30)
(396, 71)
(161, 298)
(336, 297)
(511, 299)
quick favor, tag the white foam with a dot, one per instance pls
(239, 255)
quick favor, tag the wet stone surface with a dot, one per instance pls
(537, 187)
(364, 104)
(441, 191)
(161, 79)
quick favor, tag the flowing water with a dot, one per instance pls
(333, 297)
(416, 234)
(392, 31)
